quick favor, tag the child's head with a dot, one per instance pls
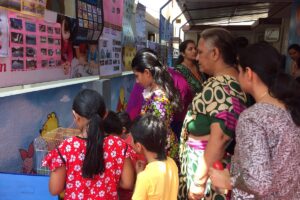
(89, 108)
(125, 121)
(112, 124)
(149, 134)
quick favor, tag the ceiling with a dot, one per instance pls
(229, 12)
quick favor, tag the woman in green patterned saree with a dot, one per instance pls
(187, 66)
(209, 125)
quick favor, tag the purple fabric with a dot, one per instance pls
(198, 145)
(135, 101)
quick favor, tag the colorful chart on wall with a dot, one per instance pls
(110, 51)
(34, 43)
(34, 50)
(127, 33)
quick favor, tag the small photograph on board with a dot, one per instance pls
(43, 39)
(51, 62)
(28, 7)
(16, 24)
(31, 39)
(85, 23)
(17, 64)
(90, 16)
(42, 28)
(17, 38)
(57, 41)
(50, 52)
(30, 64)
(83, 6)
(95, 17)
(91, 25)
(99, 11)
(80, 21)
(89, 7)
(58, 52)
(17, 51)
(50, 30)
(57, 31)
(79, 4)
(44, 63)
(84, 15)
(44, 52)
(94, 8)
(31, 27)
(50, 40)
(30, 52)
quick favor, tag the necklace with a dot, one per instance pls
(262, 96)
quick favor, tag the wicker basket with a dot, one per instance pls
(46, 143)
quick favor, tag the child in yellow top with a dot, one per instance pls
(159, 180)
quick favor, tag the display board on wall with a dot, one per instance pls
(110, 52)
(30, 49)
(34, 43)
(140, 20)
(127, 33)
(110, 48)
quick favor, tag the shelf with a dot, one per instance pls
(15, 90)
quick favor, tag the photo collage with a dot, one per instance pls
(90, 20)
(34, 43)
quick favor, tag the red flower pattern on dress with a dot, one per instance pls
(102, 186)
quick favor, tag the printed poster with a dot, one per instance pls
(128, 55)
(140, 26)
(4, 38)
(153, 45)
(113, 12)
(110, 51)
(127, 33)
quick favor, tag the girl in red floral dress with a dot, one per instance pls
(90, 166)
